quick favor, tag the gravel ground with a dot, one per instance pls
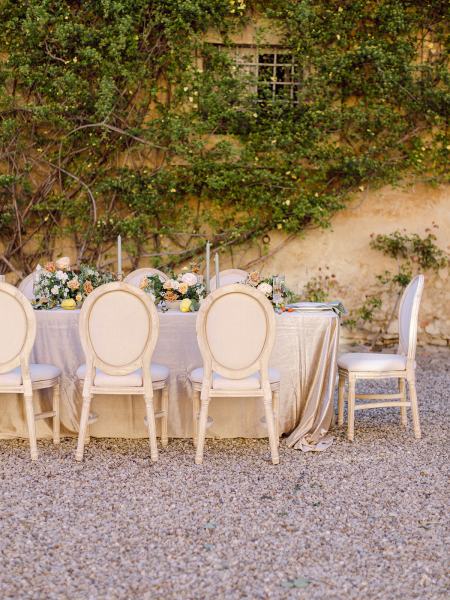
(362, 520)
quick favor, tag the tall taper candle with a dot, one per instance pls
(208, 265)
(119, 257)
(216, 261)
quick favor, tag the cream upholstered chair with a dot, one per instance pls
(119, 328)
(17, 375)
(26, 286)
(227, 277)
(236, 333)
(135, 277)
(371, 365)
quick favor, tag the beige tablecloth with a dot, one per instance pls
(305, 353)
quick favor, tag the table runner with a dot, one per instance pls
(305, 353)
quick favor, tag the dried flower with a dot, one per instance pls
(170, 296)
(50, 267)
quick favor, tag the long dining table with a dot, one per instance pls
(305, 353)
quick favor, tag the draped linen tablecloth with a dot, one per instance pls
(305, 353)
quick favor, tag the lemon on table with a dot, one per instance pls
(68, 304)
(185, 305)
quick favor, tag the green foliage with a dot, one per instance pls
(414, 254)
(113, 115)
(412, 249)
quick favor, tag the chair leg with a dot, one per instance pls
(351, 407)
(195, 415)
(31, 423)
(56, 418)
(402, 391)
(201, 432)
(341, 389)
(164, 418)
(83, 427)
(414, 406)
(151, 428)
(271, 430)
(276, 416)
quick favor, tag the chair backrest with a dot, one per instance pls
(17, 328)
(26, 286)
(227, 277)
(236, 333)
(135, 277)
(408, 317)
(118, 327)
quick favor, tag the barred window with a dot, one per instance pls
(272, 72)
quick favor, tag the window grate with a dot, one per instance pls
(272, 73)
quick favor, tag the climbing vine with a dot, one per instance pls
(119, 116)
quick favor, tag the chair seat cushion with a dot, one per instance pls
(372, 361)
(37, 373)
(252, 382)
(133, 379)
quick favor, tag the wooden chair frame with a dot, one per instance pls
(144, 272)
(204, 392)
(24, 284)
(224, 273)
(22, 360)
(143, 362)
(400, 400)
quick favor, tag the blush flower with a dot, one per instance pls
(87, 287)
(254, 278)
(189, 278)
(73, 284)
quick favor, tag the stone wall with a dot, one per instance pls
(344, 248)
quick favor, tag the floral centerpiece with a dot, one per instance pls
(275, 291)
(184, 291)
(57, 284)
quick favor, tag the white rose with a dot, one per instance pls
(189, 278)
(55, 290)
(63, 263)
(61, 276)
(265, 288)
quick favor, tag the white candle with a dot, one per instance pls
(208, 265)
(119, 256)
(216, 261)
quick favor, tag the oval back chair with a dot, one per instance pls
(236, 334)
(408, 316)
(135, 277)
(26, 286)
(17, 375)
(372, 365)
(119, 328)
(227, 277)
